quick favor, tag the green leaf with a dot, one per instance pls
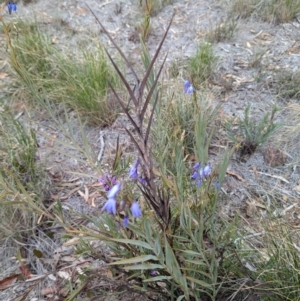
(173, 267)
(200, 282)
(132, 242)
(38, 253)
(158, 278)
(198, 262)
(190, 252)
(135, 259)
(180, 298)
(144, 266)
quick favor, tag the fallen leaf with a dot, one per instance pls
(6, 282)
(25, 271)
(3, 75)
(235, 175)
(64, 275)
(85, 195)
(81, 11)
(48, 291)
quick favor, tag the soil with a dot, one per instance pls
(237, 82)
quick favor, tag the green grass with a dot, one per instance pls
(287, 85)
(225, 30)
(78, 78)
(21, 174)
(153, 6)
(201, 65)
(251, 134)
(278, 11)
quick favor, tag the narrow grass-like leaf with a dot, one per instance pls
(197, 262)
(135, 142)
(144, 266)
(158, 278)
(173, 268)
(152, 89)
(124, 109)
(117, 47)
(148, 71)
(135, 259)
(200, 282)
(125, 82)
(133, 242)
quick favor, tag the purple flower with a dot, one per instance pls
(153, 273)
(106, 187)
(113, 180)
(197, 165)
(111, 194)
(135, 209)
(125, 221)
(218, 185)
(133, 170)
(107, 181)
(143, 181)
(110, 206)
(188, 87)
(207, 170)
(194, 175)
(11, 7)
(199, 183)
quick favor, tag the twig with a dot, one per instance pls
(102, 145)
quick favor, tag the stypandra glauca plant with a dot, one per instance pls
(162, 224)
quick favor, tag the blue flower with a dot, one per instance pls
(194, 175)
(199, 183)
(11, 7)
(133, 170)
(154, 273)
(188, 87)
(143, 181)
(207, 170)
(135, 209)
(110, 206)
(197, 165)
(125, 221)
(111, 194)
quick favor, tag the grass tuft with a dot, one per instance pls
(201, 65)
(79, 79)
(250, 133)
(277, 11)
(223, 31)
